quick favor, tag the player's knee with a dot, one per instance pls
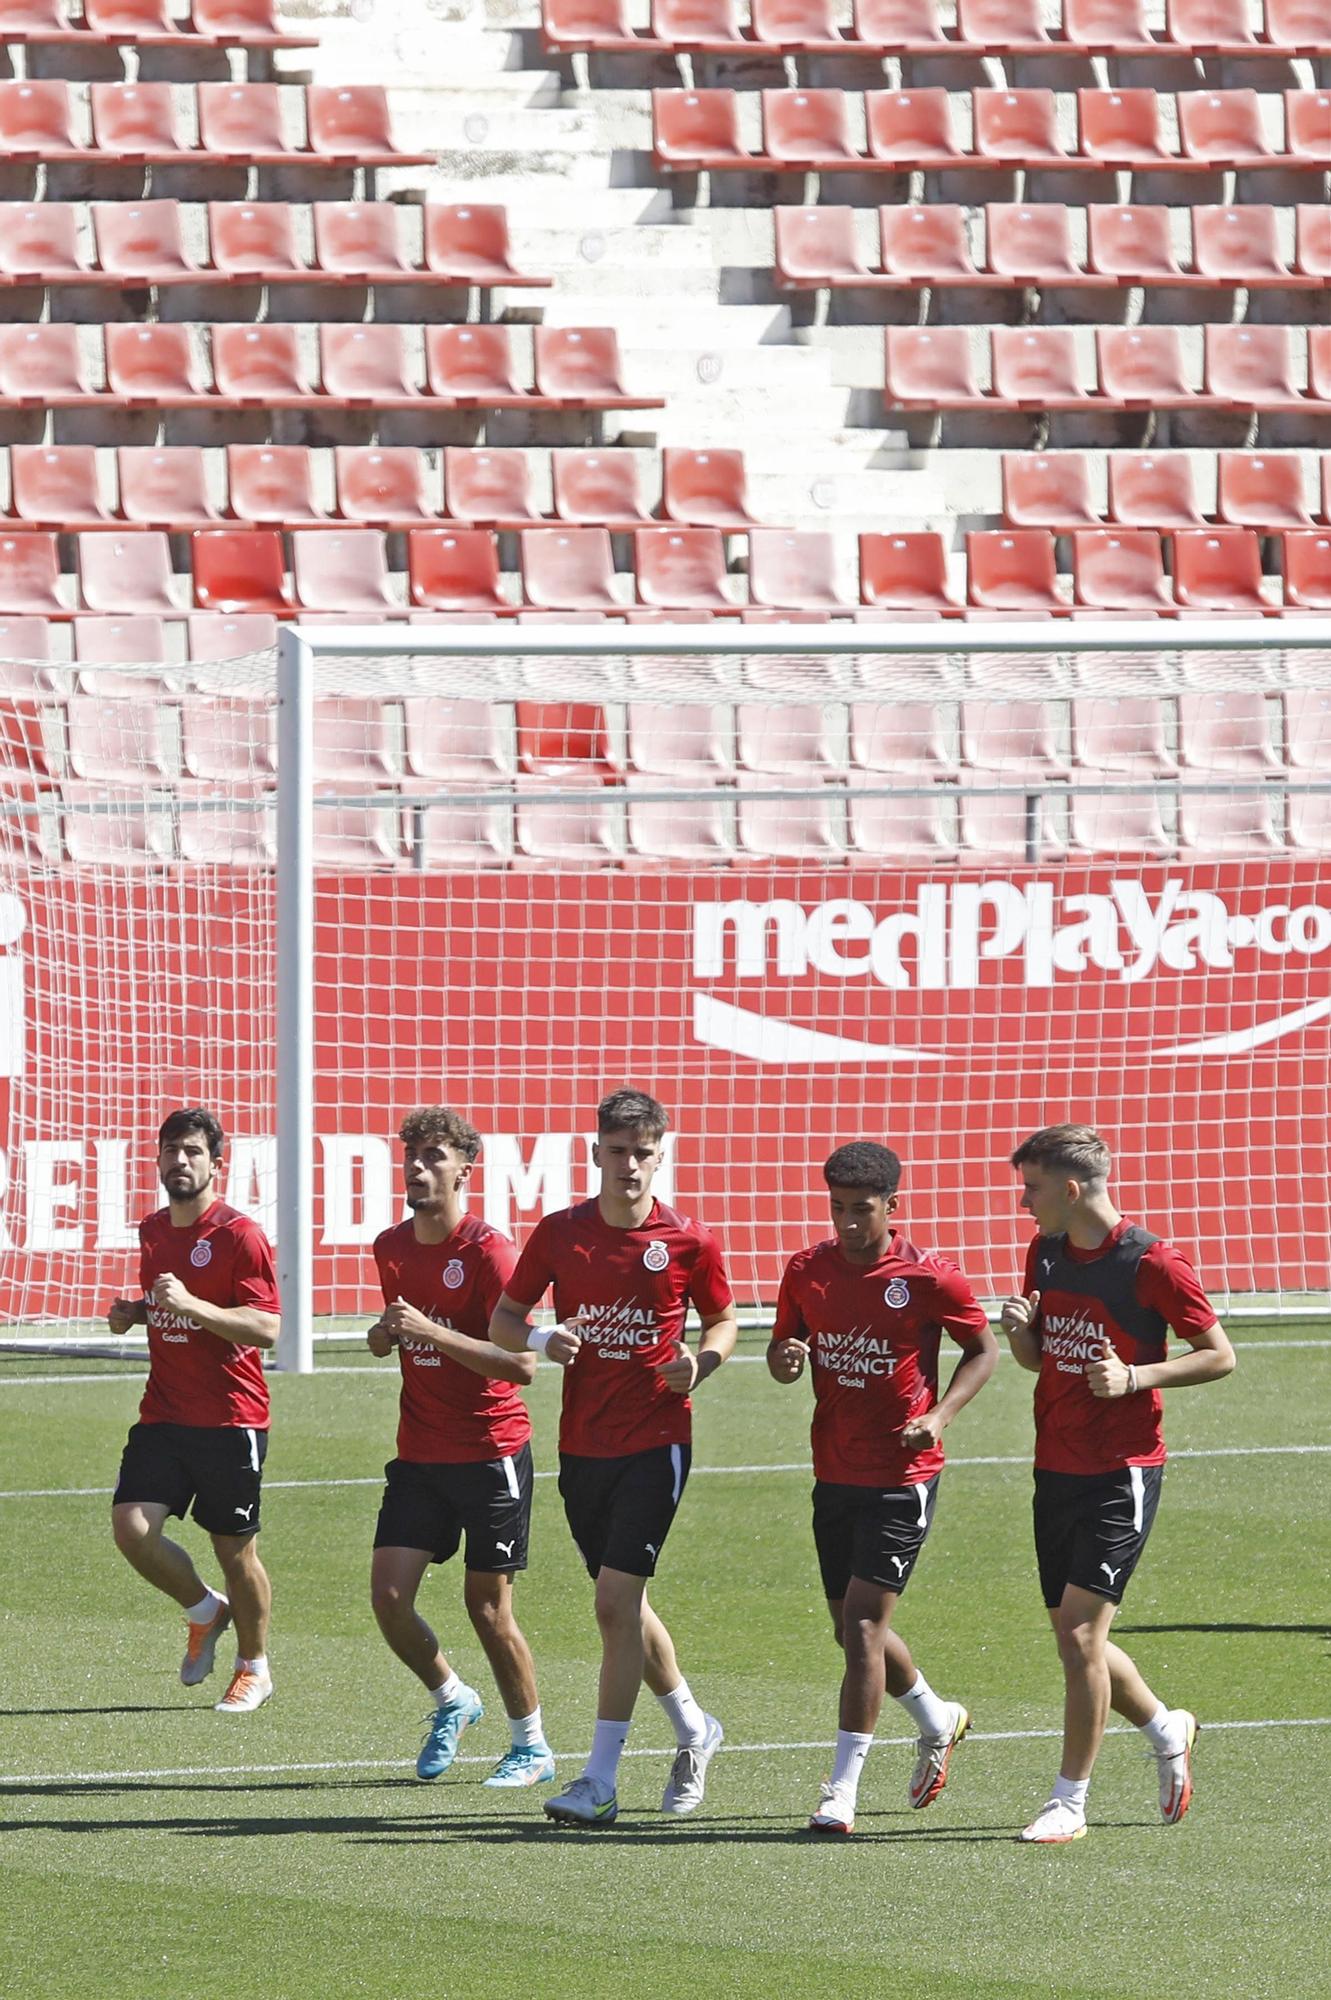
(488, 1611)
(617, 1611)
(132, 1530)
(389, 1602)
(1079, 1643)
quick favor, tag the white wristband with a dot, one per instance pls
(1132, 1380)
(539, 1338)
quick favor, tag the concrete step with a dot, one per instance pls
(656, 323)
(536, 204)
(648, 253)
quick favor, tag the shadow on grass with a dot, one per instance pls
(1312, 1631)
(121, 1708)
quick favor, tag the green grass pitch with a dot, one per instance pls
(156, 1851)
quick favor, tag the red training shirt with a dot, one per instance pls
(1074, 1430)
(194, 1377)
(448, 1415)
(873, 1332)
(629, 1290)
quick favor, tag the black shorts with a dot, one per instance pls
(620, 1509)
(873, 1532)
(220, 1470)
(431, 1506)
(1090, 1529)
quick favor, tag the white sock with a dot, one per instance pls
(931, 1716)
(607, 1749)
(1071, 1792)
(447, 1691)
(851, 1751)
(1161, 1732)
(686, 1718)
(527, 1730)
(205, 1610)
(258, 1665)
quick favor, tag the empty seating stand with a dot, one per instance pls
(150, 24)
(238, 124)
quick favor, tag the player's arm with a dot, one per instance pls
(716, 1343)
(1020, 1321)
(480, 1357)
(961, 1317)
(788, 1348)
(1168, 1284)
(512, 1331)
(243, 1326)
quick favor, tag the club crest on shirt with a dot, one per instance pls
(897, 1293)
(656, 1256)
(201, 1254)
(454, 1275)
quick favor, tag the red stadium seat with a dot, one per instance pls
(1120, 569)
(1298, 26)
(42, 365)
(1319, 363)
(383, 486)
(792, 826)
(695, 130)
(360, 243)
(129, 20)
(1307, 710)
(681, 569)
(1238, 246)
(1132, 245)
(550, 828)
(272, 485)
(468, 245)
(817, 246)
(692, 831)
(1263, 492)
(927, 245)
(1141, 367)
(1312, 239)
(1210, 24)
(1227, 732)
(240, 570)
(213, 636)
(1122, 736)
(343, 572)
(931, 367)
(243, 122)
(794, 572)
(37, 122)
(1106, 24)
(807, 128)
(1017, 127)
(1250, 367)
(597, 489)
(125, 572)
(120, 642)
(1223, 127)
(351, 123)
(34, 20)
(697, 24)
(136, 121)
(56, 486)
(903, 830)
(579, 366)
(350, 834)
(30, 575)
(142, 243)
(1122, 128)
(1306, 567)
(1219, 569)
(1106, 821)
(1031, 244)
(1035, 367)
(589, 24)
(446, 740)
(1013, 570)
(1226, 823)
(1007, 826)
(679, 740)
(454, 837)
(1018, 738)
(787, 741)
(912, 128)
(254, 242)
(259, 365)
(164, 487)
(1009, 27)
(488, 488)
(568, 569)
(249, 23)
(39, 242)
(116, 741)
(454, 569)
(1153, 490)
(561, 738)
(23, 639)
(136, 834)
(902, 26)
(904, 737)
(705, 489)
(803, 26)
(366, 365)
(152, 364)
(472, 365)
(227, 738)
(1048, 490)
(907, 572)
(352, 741)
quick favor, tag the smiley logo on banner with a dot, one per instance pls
(897, 1293)
(656, 1256)
(201, 1254)
(454, 1275)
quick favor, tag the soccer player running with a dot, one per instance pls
(867, 1310)
(624, 1268)
(463, 1460)
(1100, 1297)
(208, 1296)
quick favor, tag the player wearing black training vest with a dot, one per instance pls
(1100, 1298)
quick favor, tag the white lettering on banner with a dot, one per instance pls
(515, 1188)
(115, 1231)
(352, 1214)
(13, 995)
(251, 1181)
(6, 1240)
(47, 1199)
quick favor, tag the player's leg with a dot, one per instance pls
(396, 1575)
(137, 1527)
(251, 1597)
(489, 1601)
(154, 1483)
(420, 1523)
(228, 1480)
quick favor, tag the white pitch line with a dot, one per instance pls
(699, 1471)
(730, 1749)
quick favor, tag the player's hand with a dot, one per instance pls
(1019, 1315)
(922, 1433)
(1107, 1377)
(123, 1314)
(786, 1359)
(379, 1340)
(169, 1292)
(681, 1371)
(564, 1344)
(403, 1322)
